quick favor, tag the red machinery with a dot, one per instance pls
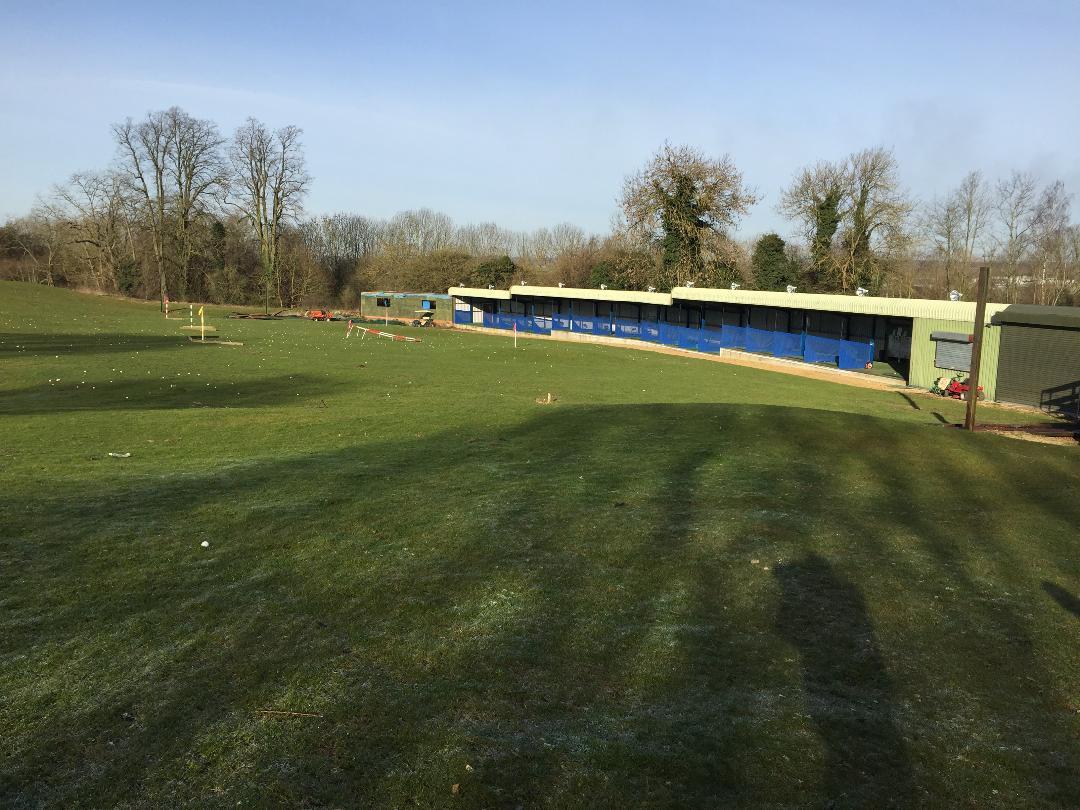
(959, 390)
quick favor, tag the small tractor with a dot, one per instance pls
(954, 388)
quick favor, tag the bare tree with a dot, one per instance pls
(973, 200)
(816, 201)
(480, 239)
(41, 237)
(268, 184)
(955, 227)
(196, 170)
(1014, 206)
(1052, 242)
(420, 231)
(861, 200)
(94, 207)
(878, 210)
(143, 152)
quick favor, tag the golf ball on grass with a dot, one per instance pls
(205, 544)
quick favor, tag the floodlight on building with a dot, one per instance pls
(689, 284)
(861, 291)
(735, 285)
(955, 295)
(650, 289)
(791, 288)
(561, 285)
(603, 286)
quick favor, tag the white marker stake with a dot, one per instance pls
(190, 314)
(515, 335)
(202, 326)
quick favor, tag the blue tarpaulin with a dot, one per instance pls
(855, 354)
(733, 337)
(710, 340)
(759, 340)
(786, 344)
(626, 328)
(848, 354)
(821, 349)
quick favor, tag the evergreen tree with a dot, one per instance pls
(826, 222)
(682, 221)
(683, 202)
(772, 271)
(498, 272)
(604, 273)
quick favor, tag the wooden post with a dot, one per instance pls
(976, 348)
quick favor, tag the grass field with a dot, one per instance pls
(683, 583)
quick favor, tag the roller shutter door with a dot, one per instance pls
(952, 350)
(1040, 366)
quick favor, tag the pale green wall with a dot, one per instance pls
(404, 306)
(923, 370)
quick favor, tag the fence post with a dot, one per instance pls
(976, 348)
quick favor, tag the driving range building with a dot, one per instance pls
(922, 339)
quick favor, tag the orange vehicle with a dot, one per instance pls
(319, 314)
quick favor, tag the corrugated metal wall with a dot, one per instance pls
(923, 370)
(1040, 366)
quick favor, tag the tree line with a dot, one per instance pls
(188, 213)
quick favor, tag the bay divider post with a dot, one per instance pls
(976, 348)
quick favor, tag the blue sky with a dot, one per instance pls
(530, 114)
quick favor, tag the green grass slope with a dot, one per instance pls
(682, 583)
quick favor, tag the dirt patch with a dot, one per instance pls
(1063, 434)
(1061, 441)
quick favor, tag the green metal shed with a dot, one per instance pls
(1039, 359)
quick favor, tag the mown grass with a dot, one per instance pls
(682, 583)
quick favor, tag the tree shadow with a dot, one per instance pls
(157, 394)
(566, 604)
(908, 400)
(15, 344)
(846, 685)
(1062, 597)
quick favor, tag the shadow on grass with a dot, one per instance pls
(157, 394)
(846, 684)
(15, 344)
(908, 400)
(1062, 597)
(568, 606)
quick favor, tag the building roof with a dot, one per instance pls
(589, 294)
(1067, 317)
(479, 292)
(396, 294)
(859, 305)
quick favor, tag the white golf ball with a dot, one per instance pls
(205, 544)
